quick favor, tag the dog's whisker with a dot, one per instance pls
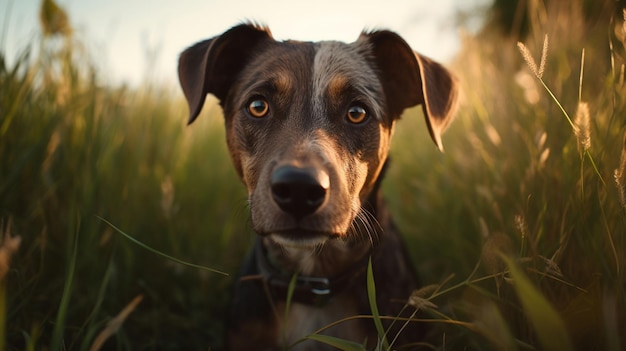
(358, 229)
(319, 248)
(372, 227)
(361, 230)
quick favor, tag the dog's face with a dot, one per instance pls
(309, 124)
(315, 109)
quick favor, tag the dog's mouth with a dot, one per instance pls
(301, 238)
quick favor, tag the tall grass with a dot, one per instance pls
(517, 230)
(515, 181)
(73, 149)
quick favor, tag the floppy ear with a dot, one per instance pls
(411, 79)
(211, 66)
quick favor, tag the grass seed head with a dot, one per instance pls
(544, 56)
(420, 298)
(528, 57)
(54, 19)
(530, 61)
(582, 127)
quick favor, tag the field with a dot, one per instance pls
(518, 229)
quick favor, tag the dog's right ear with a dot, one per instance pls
(411, 79)
(210, 66)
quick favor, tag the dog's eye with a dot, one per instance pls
(356, 114)
(258, 107)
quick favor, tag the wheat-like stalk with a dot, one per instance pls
(528, 57)
(582, 128)
(544, 56)
(530, 61)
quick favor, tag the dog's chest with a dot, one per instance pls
(303, 320)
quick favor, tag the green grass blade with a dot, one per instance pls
(544, 319)
(290, 289)
(558, 103)
(159, 252)
(341, 344)
(371, 294)
(90, 325)
(3, 314)
(59, 325)
(595, 168)
(31, 342)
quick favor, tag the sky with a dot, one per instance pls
(134, 39)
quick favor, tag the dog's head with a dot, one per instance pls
(309, 124)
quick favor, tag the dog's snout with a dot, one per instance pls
(299, 191)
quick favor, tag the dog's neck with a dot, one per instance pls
(326, 260)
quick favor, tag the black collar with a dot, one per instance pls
(313, 291)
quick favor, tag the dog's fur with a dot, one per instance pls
(313, 174)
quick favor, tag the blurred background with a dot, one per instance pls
(136, 39)
(517, 229)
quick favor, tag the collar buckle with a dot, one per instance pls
(312, 291)
(317, 286)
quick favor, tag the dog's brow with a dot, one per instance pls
(336, 85)
(281, 81)
(278, 83)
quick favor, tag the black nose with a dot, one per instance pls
(299, 191)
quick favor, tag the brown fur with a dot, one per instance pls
(309, 88)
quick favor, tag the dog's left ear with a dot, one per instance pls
(411, 79)
(211, 66)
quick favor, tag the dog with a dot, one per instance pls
(308, 127)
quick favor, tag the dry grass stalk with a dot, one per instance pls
(543, 158)
(623, 23)
(620, 175)
(419, 298)
(582, 127)
(9, 246)
(167, 197)
(115, 324)
(582, 71)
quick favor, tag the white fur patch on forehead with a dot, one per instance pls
(338, 66)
